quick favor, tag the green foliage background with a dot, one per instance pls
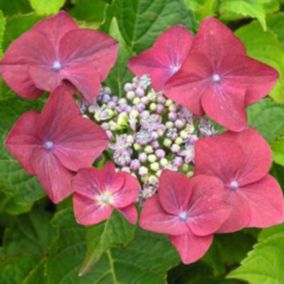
(42, 244)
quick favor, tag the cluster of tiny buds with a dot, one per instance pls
(148, 133)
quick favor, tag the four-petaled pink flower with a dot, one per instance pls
(165, 58)
(56, 143)
(218, 78)
(188, 210)
(55, 50)
(98, 192)
(241, 161)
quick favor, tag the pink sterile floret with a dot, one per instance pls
(98, 192)
(165, 58)
(54, 50)
(218, 78)
(188, 210)
(242, 161)
(55, 143)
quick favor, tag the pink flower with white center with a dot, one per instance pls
(188, 210)
(165, 58)
(218, 78)
(98, 192)
(56, 143)
(242, 161)
(54, 50)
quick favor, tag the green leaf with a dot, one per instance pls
(47, 7)
(2, 30)
(268, 118)
(21, 189)
(13, 7)
(24, 245)
(264, 264)
(252, 8)
(141, 21)
(116, 231)
(202, 8)
(276, 24)
(119, 74)
(17, 25)
(228, 250)
(265, 47)
(89, 11)
(144, 260)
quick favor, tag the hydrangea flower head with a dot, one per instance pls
(218, 78)
(56, 143)
(98, 192)
(148, 133)
(165, 58)
(242, 161)
(188, 210)
(54, 50)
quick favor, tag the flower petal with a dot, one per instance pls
(130, 213)
(155, 219)
(190, 247)
(240, 212)
(207, 210)
(188, 85)
(165, 57)
(216, 41)
(22, 141)
(80, 143)
(256, 77)
(174, 192)
(56, 114)
(225, 105)
(128, 193)
(31, 48)
(87, 212)
(265, 200)
(44, 77)
(89, 46)
(55, 179)
(218, 156)
(257, 157)
(55, 27)
(86, 78)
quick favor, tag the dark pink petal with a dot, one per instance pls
(190, 247)
(22, 141)
(188, 85)
(89, 46)
(44, 78)
(257, 157)
(128, 193)
(87, 212)
(55, 179)
(216, 41)
(130, 213)
(165, 58)
(31, 48)
(88, 183)
(81, 143)
(155, 219)
(207, 210)
(55, 27)
(265, 201)
(56, 114)
(225, 105)
(256, 77)
(174, 192)
(240, 212)
(218, 156)
(86, 78)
